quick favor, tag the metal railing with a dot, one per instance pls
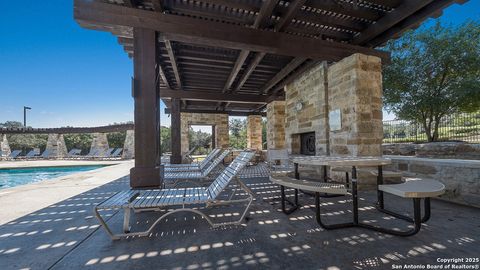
(457, 127)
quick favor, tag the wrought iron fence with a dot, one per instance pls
(457, 127)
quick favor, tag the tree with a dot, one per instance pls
(165, 140)
(434, 72)
(238, 133)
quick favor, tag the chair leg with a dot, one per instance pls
(294, 205)
(126, 220)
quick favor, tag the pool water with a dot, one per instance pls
(16, 177)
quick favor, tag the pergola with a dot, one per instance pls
(234, 56)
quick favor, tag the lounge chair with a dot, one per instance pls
(33, 153)
(116, 153)
(46, 154)
(186, 198)
(94, 152)
(14, 154)
(194, 166)
(74, 153)
(279, 162)
(188, 155)
(107, 153)
(196, 174)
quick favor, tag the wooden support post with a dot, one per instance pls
(146, 172)
(176, 157)
(214, 143)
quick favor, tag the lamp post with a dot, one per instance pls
(25, 108)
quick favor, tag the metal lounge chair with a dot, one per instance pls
(14, 154)
(188, 155)
(33, 153)
(107, 153)
(137, 200)
(196, 174)
(279, 162)
(94, 152)
(46, 154)
(194, 166)
(74, 153)
(116, 153)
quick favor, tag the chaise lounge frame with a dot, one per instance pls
(138, 200)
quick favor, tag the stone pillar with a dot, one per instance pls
(129, 145)
(220, 121)
(276, 125)
(99, 141)
(4, 146)
(254, 132)
(175, 134)
(147, 172)
(355, 89)
(56, 146)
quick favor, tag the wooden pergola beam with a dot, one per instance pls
(283, 73)
(210, 96)
(185, 29)
(231, 113)
(173, 62)
(407, 8)
(242, 56)
(256, 60)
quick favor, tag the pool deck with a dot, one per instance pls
(18, 201)
(63, 234)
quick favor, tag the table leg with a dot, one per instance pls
(354, 195)
(297, 174)
(380, 202)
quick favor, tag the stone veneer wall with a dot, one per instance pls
(100, 141)
(220, 121)
(56, 145)
(309, 90)
(355, 87)
(129, 145)
(254, 132)
(460, 177)
(4, 146)
(276, 125)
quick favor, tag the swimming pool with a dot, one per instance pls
(16, 177)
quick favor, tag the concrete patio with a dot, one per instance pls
(66, 235)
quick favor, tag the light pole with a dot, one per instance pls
(25, 108)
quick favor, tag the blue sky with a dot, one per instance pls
(78, 77)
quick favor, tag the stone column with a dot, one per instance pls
(99, 141)
(56, 146)
(222, 138)
(254, 132)
(129, 145)
(355, 89)
(276, 125)
(4, 146)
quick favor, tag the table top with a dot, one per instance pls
(341, 161)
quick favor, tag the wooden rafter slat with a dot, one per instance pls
(256, 60)
(292, 10)
(426, 12)
(346, 8)
(242, 56)
(407, 8)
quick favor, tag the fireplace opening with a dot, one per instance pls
(307, 144)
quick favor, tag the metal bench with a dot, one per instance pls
(188, 199)
(312, 186)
